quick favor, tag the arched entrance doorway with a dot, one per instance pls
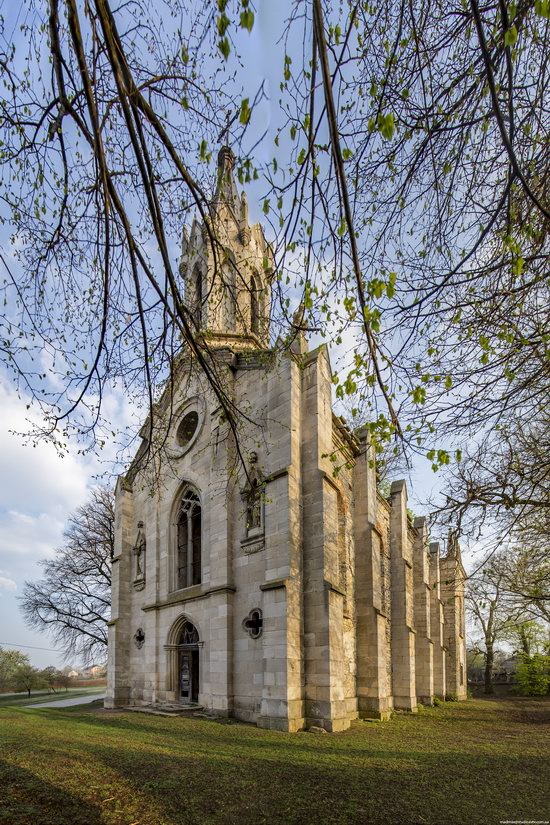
(187, 689)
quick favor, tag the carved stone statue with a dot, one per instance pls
(139, 552)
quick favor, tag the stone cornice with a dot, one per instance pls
(274, 584)
(182, 597)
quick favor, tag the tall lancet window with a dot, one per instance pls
(188, 570)
(254, 307)
(230, 296)
(197, 297)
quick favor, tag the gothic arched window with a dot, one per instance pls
(188, 561)
(254, 308)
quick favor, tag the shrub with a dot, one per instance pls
(533, 675)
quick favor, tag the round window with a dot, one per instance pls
(187, 427)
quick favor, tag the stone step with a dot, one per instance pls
(166, 709)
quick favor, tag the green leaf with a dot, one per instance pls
(517, 266)
(224, 47)
(222, 24)
(266, 206)
(346, 154)
(390, 287)
(342, 228)
(288, 61)
(448, 382)
(386, 125)
(245, 112)
(419, 395)
(511, 36)
(247, 19)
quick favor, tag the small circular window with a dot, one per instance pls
(187, 428)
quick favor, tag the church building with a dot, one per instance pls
(251, 579)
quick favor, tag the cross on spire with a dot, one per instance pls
(224, 134)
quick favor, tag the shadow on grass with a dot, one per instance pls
(203, 772)
(26, 799)
(187, 771)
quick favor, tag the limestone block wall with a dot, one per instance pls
(346, 563)
(118, 665)
(422, 615)
(281, 586)
(437, 623)
(383, 518)
(324, 657)
(402, 615)
(371, 580)
(453, 577)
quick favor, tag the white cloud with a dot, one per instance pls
(30, 536)
(6, 583)
(34, 479)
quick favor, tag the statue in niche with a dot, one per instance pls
(254, 507)
(139, 552)
(253, 496)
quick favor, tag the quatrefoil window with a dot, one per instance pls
(139, 638)
(254, 623)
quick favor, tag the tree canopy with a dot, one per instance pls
(72, 601)
(407, 192)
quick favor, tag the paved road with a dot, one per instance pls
(69, 703)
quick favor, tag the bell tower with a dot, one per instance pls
(227, 268)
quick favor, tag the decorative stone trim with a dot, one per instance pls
(194, 404)
(283, 471)
(331, 481)
(335, 588)
(183, 597)
(274, 584)
(252, 545)
(184, 647)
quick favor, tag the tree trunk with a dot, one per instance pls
(524, 641)
(29, 693)
(489, 653)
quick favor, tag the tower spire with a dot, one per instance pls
(226, 188)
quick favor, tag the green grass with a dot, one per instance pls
(21, 699)
(477, 762)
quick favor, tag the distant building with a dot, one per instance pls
(94, 672)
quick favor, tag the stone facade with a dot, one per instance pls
(278, 592)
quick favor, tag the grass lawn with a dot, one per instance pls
(21, 699)
(477, 762)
